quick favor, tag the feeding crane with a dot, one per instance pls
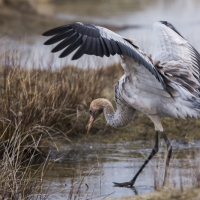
(164, 85)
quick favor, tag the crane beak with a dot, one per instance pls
(91, 121)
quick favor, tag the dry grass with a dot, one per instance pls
(37, 104)
(56, 100)
(42, 103)
(18, 178)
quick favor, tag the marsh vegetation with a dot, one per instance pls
(41, 107)
(44, 145)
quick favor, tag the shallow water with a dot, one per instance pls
(99, 165)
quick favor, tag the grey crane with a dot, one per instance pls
(164, 85)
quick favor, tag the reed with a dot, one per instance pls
(57, 100)
(37, 104)
(43, 103)
(19, 178)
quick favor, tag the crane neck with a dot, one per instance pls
(119, 118)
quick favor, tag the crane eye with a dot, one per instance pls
(90, 112)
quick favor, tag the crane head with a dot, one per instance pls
(96, 108)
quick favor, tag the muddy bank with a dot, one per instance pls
(167, 194)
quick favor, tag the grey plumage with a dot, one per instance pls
(96, 40)
(166, 84)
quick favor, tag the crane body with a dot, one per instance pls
(166, 84)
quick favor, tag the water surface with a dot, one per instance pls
(131, 18)
(92, 168)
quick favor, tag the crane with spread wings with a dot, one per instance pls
(164, 85)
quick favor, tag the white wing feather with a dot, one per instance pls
(177, 61)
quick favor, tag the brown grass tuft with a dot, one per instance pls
(57, 99)
(19, 179)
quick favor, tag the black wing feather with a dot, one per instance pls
(94, 46)
(58, 37)
(81, 49)
(116, 47)
(71, 47)
(105, 49)
(57, 30)
(109, 46)
(65, 43)
(88, 46)
(94, 40)
(99, 49)
(124, 49)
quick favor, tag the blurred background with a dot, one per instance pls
(23, 21)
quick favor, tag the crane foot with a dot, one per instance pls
(125, 184)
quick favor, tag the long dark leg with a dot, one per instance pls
(153, 152)
(169, 152)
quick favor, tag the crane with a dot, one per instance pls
(165, 84)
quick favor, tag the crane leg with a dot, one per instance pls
(169, 152)
(153, 152)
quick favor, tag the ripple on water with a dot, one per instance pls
(104, 164)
